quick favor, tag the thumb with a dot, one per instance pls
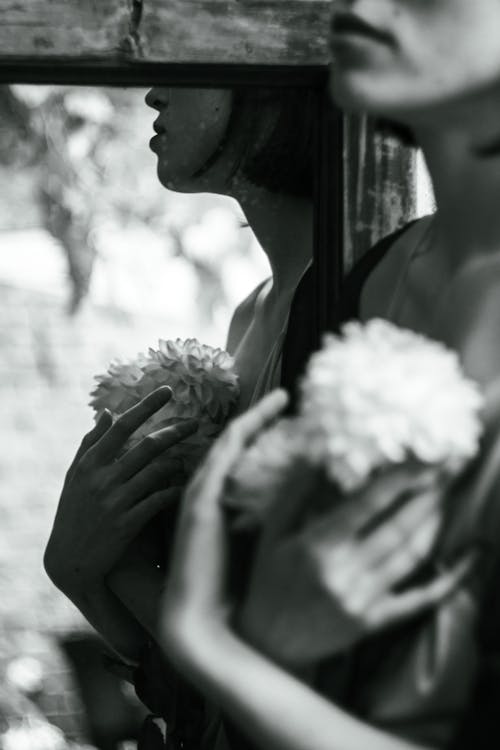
(401, 607)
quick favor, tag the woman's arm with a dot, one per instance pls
(276, 710)
(135, 584)
(104, 611)
(107, 498)
(138, 585)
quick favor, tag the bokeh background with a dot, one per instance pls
(97, 261)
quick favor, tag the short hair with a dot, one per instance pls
(273, 129)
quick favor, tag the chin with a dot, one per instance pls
(355, 94)
(173, 182)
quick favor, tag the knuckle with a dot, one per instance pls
(355, 604)
(121, 428)
(151, 442)
(160, 468)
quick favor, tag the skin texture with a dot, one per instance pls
(192, 124)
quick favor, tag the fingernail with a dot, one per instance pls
(106, 414)
(163, 394)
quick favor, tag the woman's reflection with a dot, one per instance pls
(255, 146)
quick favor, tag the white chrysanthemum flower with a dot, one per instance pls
(33, 734)
(379, 395)
(204, 386)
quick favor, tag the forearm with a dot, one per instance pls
(104, 611)
(275, 709)
(100, 607)
(138, 585)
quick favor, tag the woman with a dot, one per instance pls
(257, 147)
(428, 679)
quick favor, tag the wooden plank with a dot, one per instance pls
(292, 32)
(138, 32)
(42, 30)
(379, 186)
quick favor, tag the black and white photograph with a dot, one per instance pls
(249, 374)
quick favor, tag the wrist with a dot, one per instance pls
(188, 635)
(71, 582)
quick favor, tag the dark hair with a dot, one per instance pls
(273, 129)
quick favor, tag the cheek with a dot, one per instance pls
(202, 125)
(196, 125)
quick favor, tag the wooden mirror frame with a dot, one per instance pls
(360, 177)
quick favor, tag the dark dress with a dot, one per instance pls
(434, 680)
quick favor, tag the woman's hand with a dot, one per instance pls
(107, 498)
(318, 587)
(195, 602)
(271, 706)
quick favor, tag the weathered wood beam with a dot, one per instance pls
(141, 32)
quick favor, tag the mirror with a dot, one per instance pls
(108, 245)
(386, 185)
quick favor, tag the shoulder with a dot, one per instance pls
(242, 318)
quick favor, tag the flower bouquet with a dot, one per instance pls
(204, 386)
(374, 396)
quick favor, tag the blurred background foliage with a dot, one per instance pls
(97, 261)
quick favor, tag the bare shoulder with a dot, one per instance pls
(241, 319)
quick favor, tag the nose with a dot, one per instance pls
(157, 98)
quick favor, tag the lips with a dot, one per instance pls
(347, 24)
(158, 128)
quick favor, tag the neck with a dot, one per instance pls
(283, 225)
(464, 163)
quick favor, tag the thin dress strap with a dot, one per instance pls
(300, 334)
(355, 280)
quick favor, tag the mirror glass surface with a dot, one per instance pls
(110, 242)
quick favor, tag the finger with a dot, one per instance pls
(115, 438)
(399, 607)
(407, 530)
(364, 511)
(249, 424)
(157, 475)
(152, 446)
(233, 441)
(382, 498)
(389, 555)
(91, 438)
(148, 508)
(394, 568)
